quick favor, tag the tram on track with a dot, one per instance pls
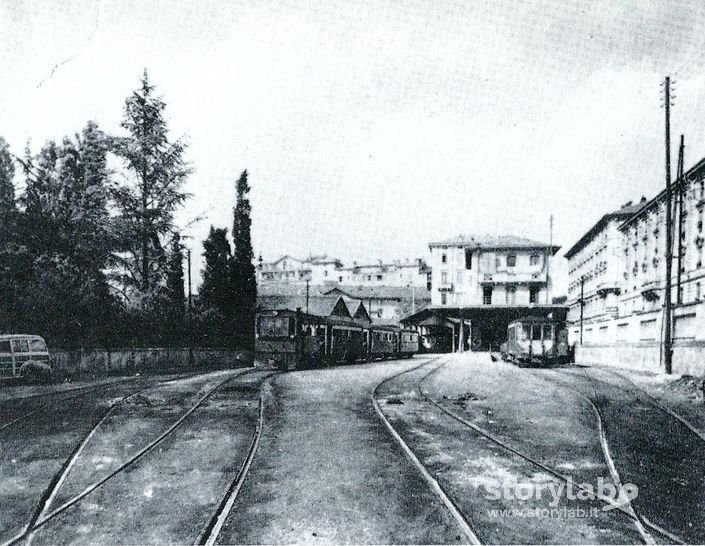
(295, 340)
(536, 341)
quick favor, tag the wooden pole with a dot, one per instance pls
(668, 354)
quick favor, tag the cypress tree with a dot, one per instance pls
(244, 281)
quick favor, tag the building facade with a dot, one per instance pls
(596, 267)
(479, 284)
(487, 270)
(327, 271)
(629, 326)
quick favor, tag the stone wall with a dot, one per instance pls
(156, 360)
(688, 356)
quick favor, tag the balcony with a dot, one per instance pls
(607, 287)
(445, 287)
(505, 277)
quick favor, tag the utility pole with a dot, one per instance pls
(190, 310)
(681, 190)
(582, 305)
(668, 352)
(548, 259)
(307, 281)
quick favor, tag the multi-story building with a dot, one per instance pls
(629, 328)
(318, 270)
(479, 283)
(489, 270)
(397, 273)
(596, 266)
(326, 271)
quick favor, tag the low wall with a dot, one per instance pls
(156, 360)
(688, 357)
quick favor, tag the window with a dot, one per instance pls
(20, 346)
(276, 326)
(547, 332)
(487, 295)
(37, 346)
(379, 277)
(459, 277)
(536, 332)
(511, 260)
(534, 259)
(468, 258)
(534, 294)
(5, 347)
(340, 279)
(511, 295)
(325, 273)
(444, 298)
(444, 258)
(444, 277)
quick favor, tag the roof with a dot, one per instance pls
(317, 305)
(688, 175)
(624, 213)
(396, 293)
(322, 260)
(290, 289)
(359, 312)
(493, 242)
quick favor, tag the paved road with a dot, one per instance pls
(328, 471)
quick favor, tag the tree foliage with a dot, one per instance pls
(244, 281)
(152, 192)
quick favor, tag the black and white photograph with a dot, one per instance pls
(352, 272)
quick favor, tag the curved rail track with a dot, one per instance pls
(211, 531)
(42, 515)
(433, 484)
(646, 529)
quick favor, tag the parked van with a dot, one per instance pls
(24, 356)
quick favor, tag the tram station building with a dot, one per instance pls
(479, 284)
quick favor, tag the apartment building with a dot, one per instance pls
(480, 283)
(490, 270)
(596, 267)
(624, 323)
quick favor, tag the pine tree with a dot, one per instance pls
(147, 204)
(244, 281)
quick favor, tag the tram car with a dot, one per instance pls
(293, 340)
(536, 341)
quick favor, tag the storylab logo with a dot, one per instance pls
(553, 493)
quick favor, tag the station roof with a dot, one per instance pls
(624, 213)
(494, 242)
(317, 305)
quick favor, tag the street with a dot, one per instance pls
(517, 455)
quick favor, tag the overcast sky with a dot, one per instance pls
(370, 128)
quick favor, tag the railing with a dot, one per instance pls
(513, 278)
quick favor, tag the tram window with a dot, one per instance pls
(547, 331)
(536, 332)
(5, 346)
(276, 326)
(20, 346)
(525, 332)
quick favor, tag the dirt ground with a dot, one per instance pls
(328, 471)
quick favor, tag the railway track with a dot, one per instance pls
(648, 530)
(44, 515)
(75, 393)
(656, 405)
(209, 535)
(459, 517)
